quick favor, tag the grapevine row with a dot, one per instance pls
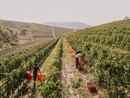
(115, 34)
(16, 76)
(52, 88)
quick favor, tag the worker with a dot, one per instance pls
(78, 56)
(35, 73)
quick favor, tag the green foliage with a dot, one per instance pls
(115, 34)
(8, 35)
(76, 82)
(52, 88)
(106, 52)
(14, 67)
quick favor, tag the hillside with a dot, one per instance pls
(106, 54)
(70, 25)
(103, 71)
(46, 31)
(12, 32)
(114, 34)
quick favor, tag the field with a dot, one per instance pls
(13, 33)
(106, 50)
(106, 58)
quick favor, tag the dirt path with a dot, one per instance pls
(73, 81)
(67, 74)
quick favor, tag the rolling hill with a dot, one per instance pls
(13, 32)
(70, 25)
(106, 54)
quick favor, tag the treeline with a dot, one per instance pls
(8, 35)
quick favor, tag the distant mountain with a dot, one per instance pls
(70, 25)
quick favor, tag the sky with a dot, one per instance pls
(91, 12)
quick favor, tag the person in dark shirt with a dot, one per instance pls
(35, 72)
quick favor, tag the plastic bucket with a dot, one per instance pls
(72, 55)
(40, 76)
(29, 75)
(91, 87)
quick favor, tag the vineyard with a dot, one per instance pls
(22, 47)
(106, 54)
(12, 75)
(106, 58)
